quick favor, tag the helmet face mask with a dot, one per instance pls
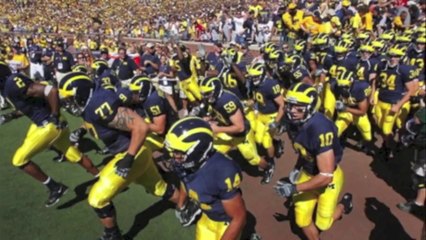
(393, 60)
(211, 89)
(189, 143)
(71, 105)
(301, 100)
(75, 93)
(420, 47)
(257, 80)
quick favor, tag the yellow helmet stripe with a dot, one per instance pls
(64, 92)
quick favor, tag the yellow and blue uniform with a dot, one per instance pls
(154, 106)
(107, 80)
(316, 136)
(264, 96)
(391, 82)
(222, 109)
(338, 68)
(187, 80)
(365, 68)
(42, 133)
(100, 110)
(358, 92)
(216, 181)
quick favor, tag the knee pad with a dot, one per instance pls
(20, 159)
(324, 223)
(73, 154)
(105, 212)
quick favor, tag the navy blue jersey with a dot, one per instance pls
(317, 135)
(392, 81)
(101, 110)
(265, 94)
(347, 64)
(233, 85)
(365, 68)
(108, 80)
(217, 180)
(156, 105)
(417, 59)
(225, 106)
(299, 73)
(359, 91)
(324, 60)
(125, 95)
(15, 89)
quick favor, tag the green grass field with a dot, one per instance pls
(22, 211)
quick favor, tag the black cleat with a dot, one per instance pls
(60, 158)
(410, 207)
(267, 174)
(104, 151)
(279, 148)
(55, 195)
(346, 201)
(188, 214)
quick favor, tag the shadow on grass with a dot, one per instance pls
(386, 225)
(142, 219)
(80, 194)
(290, 217)
(87, 145)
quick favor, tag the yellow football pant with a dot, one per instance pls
(386, 120)
(154, 142)
(246, 145)
(344, 119)
(191, 89)
(262, 135)
(40, 138)
(143, 172)
(329, 102)
(208, 229)
(325, 200)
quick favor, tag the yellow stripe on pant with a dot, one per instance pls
(386, 120)
(208, 229)
(246, 145)
(262, 135)
(40, 138)
(191, 89)
(143, 172)
(344, 119)
(325, 200)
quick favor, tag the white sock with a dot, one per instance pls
(47, 181)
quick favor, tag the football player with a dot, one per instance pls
(40, 103)
(270, 107)
(209, 177)
(397, 83)
(352, 104)
(124, 133)
(321, 179)
(230, 127)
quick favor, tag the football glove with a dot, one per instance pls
(320, 87)
(53, 118)
(294, 175)
(340, 106)
(285, 189)
(123, 166)
(2, 120)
